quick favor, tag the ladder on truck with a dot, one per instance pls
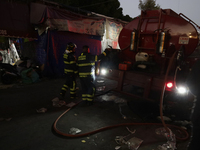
(151, 34)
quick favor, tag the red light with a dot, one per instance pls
(169, 85)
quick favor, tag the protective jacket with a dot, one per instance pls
(70, 63)
(70, 72)
(86, 69)
(86, 63)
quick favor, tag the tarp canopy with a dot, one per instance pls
(40, 13)
(15, 21)
(53, 18)
(57, 26)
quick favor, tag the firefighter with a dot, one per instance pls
(86, 68)
(193, 83)
(70, 71)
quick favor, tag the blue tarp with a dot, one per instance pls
(56, 42)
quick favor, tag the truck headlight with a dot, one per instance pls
(103, 71)
(182, 90)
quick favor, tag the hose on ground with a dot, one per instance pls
(130, 124)
(108, 127)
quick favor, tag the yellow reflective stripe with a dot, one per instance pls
(74, 85)
(84, 95)
(65, 56)
(93, 91)
(96, 58)
(71, 62)
(85, 74)
(104, 53)
(67, 70)
(72, 92)
(64, 89)
(75, 71)
(84, 99)
(86, 64)
(83, 57)
(65, 86)
(88, 95)
(74, 88)
(89, 99)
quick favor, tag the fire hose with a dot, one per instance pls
(128, 124)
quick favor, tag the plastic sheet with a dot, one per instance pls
(120, 140)
(101, 88)
(57, 102)
(183, 123)
(74, 131)
(163, 147)
(114, 98)
(109, 98)
(117, 147)
(171, 139)
(71, 105)
(134, 143)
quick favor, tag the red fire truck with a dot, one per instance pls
(157, 51)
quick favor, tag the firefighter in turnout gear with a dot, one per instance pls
(86, 69)
(70, 71)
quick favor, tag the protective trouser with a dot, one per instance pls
(88, 88)
(70, 83)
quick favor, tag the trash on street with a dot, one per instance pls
(71, 105)
(41, 110)
(134, 143)
(58, 103)
(170, 136)
(74, 131)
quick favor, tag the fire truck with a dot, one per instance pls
(157, 50)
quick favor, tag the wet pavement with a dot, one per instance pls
(128, 120)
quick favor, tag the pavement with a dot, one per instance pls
(127, 122)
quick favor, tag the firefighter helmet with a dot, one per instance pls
(71, 46)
